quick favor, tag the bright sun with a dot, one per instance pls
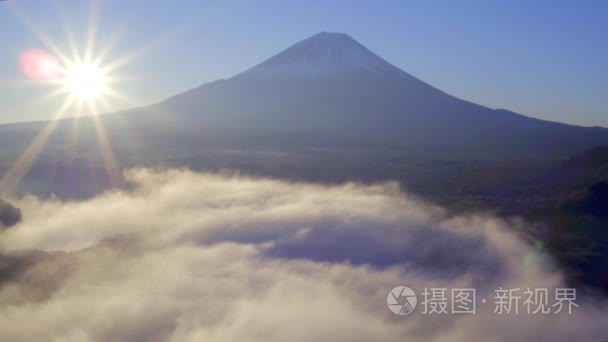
(85, 81)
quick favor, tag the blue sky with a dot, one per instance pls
(547, 59)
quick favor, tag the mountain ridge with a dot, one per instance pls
(364, 99)
(323, 54)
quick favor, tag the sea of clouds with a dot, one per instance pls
(186, 256)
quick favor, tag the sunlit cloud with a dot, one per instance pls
(187, 256)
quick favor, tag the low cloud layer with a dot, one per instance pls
(185, 256)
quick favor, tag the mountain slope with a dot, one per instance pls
(327, 90)
(330, 88)
(322, 55)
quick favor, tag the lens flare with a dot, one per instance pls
(39, 65)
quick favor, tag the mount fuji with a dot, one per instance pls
(327, 91)
(331, 89)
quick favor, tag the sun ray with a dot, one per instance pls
(129, 57)
(154, 44)
(142, 50)
(69, 34)
(13, 177)
(44, 99)
(46, 40)
(135, 54)
(109, 45)
(91, 31)
(71, 150)
(18, 83)
(127, 100)
(133, 140)
(85, 79)
(158, 112)
(51, 95)
(109, 161)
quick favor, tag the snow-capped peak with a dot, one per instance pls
(323, 54)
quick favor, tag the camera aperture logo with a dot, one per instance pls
(401, 300)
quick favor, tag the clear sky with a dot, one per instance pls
(546, 59)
